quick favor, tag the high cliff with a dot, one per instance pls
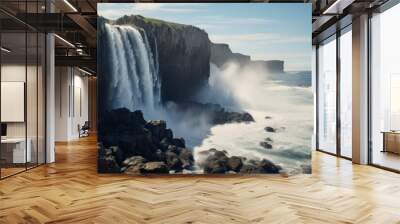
(221, 54)
(183, 55)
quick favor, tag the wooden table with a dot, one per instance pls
(13, 150)
(391, 141)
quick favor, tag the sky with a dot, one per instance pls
(265, 31)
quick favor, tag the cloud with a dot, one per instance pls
(220, 22)
(268, 38)
(115, 11)
(237, 21)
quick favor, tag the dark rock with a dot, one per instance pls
(164, 144)
(135, 138)
(173, 148)
(216, 166)
(157, 129)
(125, 129)
(266, 145)
(306, 168)
(107, 165)
(173, 161)
(134, 161)
(168, 134)
(248, 169)
(160, 155)
(133, 170)
(268, 117)
(179, 142)
(270, 129)
(235, 163)
(267, 166)
(263, 166)
(217, 162)
(106, 162)
(215, 112)
(155, 167)
(186, 158)
(223, 117)
(268, 139)
(133, 165)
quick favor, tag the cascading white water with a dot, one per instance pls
(134, 80)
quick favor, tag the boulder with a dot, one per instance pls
(248, 169)
(179, 142)
(222, 117)
(172, 160)
(216, 166)
(107, 165)
(266, 166)
(164, 144)
(160, 155)
(268, 139)
(266, 145)
(155, 167)
(217, 162)
(306, 168)
(268, 117)
(263, 166)
(168, 134)
(133, 165)
(235, 163)
(131, 142)
(186, 158)
(157, 129)
(134, 161)
(270, 129)
(106, 160)
(133, 170)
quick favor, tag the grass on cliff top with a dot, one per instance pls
(162, 22)
(156, 22)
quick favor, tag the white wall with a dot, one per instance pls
(71, 94)
(34, 125)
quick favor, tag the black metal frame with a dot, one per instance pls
(337, 34)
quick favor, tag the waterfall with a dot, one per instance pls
(134, 79)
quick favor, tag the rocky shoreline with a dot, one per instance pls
(218, 162)
(132, 145)
(215, 112)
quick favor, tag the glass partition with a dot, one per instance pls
(327, 95)
(385, 89)
(346, 93)
(22, 90)
(13, 108)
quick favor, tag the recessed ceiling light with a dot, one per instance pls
(70, 5)
(84, 71)
(5, 50)
(65, 41)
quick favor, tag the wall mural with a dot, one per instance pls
(204, 88)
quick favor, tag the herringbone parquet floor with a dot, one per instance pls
(70, 191)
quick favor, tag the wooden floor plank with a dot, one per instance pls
(71, 191)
